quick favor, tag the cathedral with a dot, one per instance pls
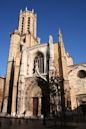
(40, 75)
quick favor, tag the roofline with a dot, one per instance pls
(77, 64)
(2, 77)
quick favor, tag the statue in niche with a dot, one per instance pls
(36, 68)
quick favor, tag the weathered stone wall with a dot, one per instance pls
(2, 83)
(69, 59)
(56, 58)
(77, 84)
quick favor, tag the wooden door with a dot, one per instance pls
(35, 106)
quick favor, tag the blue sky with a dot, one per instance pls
(69, 15)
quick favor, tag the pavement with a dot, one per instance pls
(10, 123)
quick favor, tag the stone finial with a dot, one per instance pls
(26, 9)
(59, 31)
(32, 10)
(50, 39)
(35, 15)
(38, 39)
(60, 36)
(16, 31)
(20, 11)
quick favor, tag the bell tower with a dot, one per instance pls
(27, 22)
(24, 35)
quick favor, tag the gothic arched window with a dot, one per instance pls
(39, 62)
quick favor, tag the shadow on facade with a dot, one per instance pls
(80, 110)
(45, 109)
(10, 89)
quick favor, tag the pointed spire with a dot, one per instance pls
(60, 36)
(51, 54)
(59, 31)
(50, 39)
(32, 10)
(20, 11)
(38, 40)
(26, 9)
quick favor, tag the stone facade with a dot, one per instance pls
(77, 81)
(2, 84)
(32, 65)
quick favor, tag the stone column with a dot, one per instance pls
(45, 63)
(6, 93)
(13, 112)
(14, 97)
(39, 107)
(31, 110)
(21, 86)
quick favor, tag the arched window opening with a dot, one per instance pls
(81, 74)
(39, 62)
(22, 25)
(28, 27)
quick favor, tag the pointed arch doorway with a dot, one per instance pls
(35, 106)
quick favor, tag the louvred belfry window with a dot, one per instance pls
(28, 24)
(22, 25)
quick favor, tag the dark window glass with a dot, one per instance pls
(22, 25)
(82, 74)
(28, 27)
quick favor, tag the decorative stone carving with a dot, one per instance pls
(51, 56)
(38, 73)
